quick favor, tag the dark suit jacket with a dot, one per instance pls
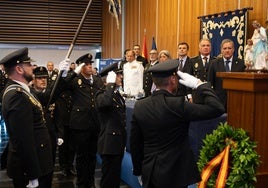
(183, 90)
(217, 65)
(159, 140)
(143, 60)
(30, 151)
(112, 116)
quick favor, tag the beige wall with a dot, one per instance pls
(169, 21)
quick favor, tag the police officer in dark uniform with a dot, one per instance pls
(160, 148)
(200, 64)
(62, 116)
(30, 154)
(84, 123)
(147, 76)
(52, 73)
(112, 116)
(42, 91)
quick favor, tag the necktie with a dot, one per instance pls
(205, 62)
(227, 68)
(181, 65)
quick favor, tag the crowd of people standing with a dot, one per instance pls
(86, 113)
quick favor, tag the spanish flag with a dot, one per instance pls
(144, 52)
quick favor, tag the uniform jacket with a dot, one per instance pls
(217, 65)
(133, 78)
(159, 139)
(30, 151)
(147, 80)
(112, 116)
(83, 114)
(198, 69)
(52, 77)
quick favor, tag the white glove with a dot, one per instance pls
(140, 180)
(77, 70)
(33, 183)
(64, 66)
(60, 141)
(188, 80)
(111, 77)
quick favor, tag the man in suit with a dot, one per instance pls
(184, 66)
(84, 124)
(227, 63)
(159, 142)
(137, 51)
(30, 159)
(200, 64)
(111, 110)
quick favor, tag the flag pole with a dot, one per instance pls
(69, 52)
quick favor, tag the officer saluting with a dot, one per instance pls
(159, 129)
(112, 115)
(84, 123)
(30, 153)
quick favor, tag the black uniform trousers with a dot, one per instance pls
(85, 144)
(66, 151)
(111, 171)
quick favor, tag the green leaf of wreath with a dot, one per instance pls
(243, 159)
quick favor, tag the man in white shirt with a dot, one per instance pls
(133, 75)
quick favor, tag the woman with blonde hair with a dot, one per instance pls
(164, 55)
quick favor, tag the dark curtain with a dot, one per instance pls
(231, 25)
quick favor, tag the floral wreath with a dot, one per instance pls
(233, 149)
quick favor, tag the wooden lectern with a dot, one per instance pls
(247, 108)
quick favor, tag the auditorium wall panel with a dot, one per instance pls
(170, 22)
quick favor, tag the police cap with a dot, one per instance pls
(113, 67)
(165, 69)
(40, 72)
(16, 57)
(87, 58)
